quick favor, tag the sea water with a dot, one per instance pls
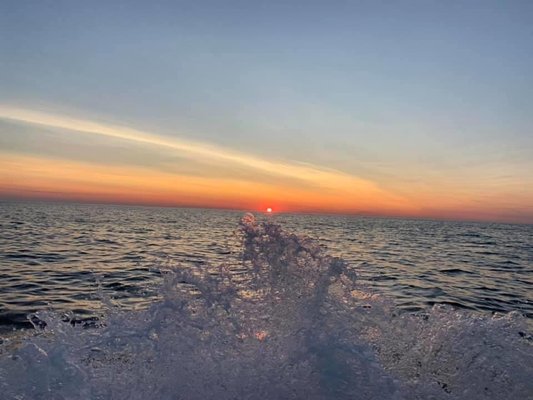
(235, 307)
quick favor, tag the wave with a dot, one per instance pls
(291, 323)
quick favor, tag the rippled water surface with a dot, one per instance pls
(201, 305)
(66, 256)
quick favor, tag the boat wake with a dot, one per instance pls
(291, 323)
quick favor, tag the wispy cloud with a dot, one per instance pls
(347, 188)
(195, 149)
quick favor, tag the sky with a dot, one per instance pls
(407, 108)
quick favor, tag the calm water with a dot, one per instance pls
(59, 255)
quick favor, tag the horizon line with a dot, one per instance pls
(258, 211)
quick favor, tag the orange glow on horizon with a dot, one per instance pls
(42, 178)
(30, 177)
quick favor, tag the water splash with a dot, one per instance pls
(291, 323)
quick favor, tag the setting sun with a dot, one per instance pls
(269, 210)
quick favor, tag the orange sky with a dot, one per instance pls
(65, 158)
(37, 177)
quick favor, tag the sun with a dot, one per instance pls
(269, 210)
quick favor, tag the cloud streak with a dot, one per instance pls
(194, 149)
(349, 189)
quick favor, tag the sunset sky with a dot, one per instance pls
(409, 108)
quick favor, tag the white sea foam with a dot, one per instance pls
(292, 323)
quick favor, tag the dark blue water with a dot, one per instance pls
(203, 304)
(64, 256)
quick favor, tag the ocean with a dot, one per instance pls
(128, 302)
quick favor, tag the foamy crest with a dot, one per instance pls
(290, 323)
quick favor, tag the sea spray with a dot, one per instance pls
(292, 322)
